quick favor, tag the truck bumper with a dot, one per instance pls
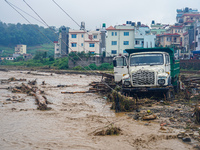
(147, 89)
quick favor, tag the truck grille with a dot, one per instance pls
(143, 77)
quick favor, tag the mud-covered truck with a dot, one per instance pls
(148, 70)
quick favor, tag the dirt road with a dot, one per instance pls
(73, 119)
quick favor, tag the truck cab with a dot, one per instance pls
(150, 70)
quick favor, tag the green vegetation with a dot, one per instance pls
(8, 51)
(103, 66)
(13, 34)
(42, 59)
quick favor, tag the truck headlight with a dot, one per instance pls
(161, 71)
(161, 81)
(127, 83)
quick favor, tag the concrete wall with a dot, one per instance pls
(87, 61)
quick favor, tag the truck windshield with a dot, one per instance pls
(146, 59)
(121, 61)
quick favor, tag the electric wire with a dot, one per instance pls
(33, 25)
(50, 28)
(27, 20)
(27, 13)
(67, 54)
(63, 41)
(13, 6)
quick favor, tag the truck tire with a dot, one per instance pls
(169, 95)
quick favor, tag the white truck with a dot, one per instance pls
(148, 70)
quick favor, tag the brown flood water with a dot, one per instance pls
(72, 120)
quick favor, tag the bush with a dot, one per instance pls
(105, 66)
(93, 66)
(78, 68)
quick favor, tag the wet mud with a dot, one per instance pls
(73, 120)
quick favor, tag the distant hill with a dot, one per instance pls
(30, 35)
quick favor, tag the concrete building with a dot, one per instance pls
(144, 38)
(57, 49)
(84, 41)
(20, 49)
(63, 41)
(177, 28)
(181, 14)
(168, 39)
(119, 38)
(158, 28)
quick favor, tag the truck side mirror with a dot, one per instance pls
(114, 63)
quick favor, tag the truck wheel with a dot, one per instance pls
(169, 95)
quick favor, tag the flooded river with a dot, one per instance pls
(73, 119)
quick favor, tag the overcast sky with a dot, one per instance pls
(94, 13)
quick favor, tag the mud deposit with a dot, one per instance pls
(73, 119)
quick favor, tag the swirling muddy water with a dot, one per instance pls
(73, 119)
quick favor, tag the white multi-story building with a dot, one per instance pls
(20, 49)
(119, 38)
(56, 49)
(80, 40)
(144, 38)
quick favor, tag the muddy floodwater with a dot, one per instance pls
(73, 119)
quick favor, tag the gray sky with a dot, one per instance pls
(94, 13)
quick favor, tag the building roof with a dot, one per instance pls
(110, 28)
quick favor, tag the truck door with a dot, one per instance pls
(120, 67)
(167, 64)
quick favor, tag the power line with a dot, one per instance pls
(27, 13)
(11, 5)
(51, 29)
(49, 39)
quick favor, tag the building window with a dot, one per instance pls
(92, 53)
(175, 39)
(114, 33)
(126, 42)
(113, 51)
(114, 43)
(73, 44)
(168, 39)
(73, 35)
(81, 44)
(82, 35)
(91, 44)
(137, 42)
(126, 33)
(95, 36)
(57, 49)
(142, 42)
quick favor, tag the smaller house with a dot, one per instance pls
(168, 39)
(20, 49)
